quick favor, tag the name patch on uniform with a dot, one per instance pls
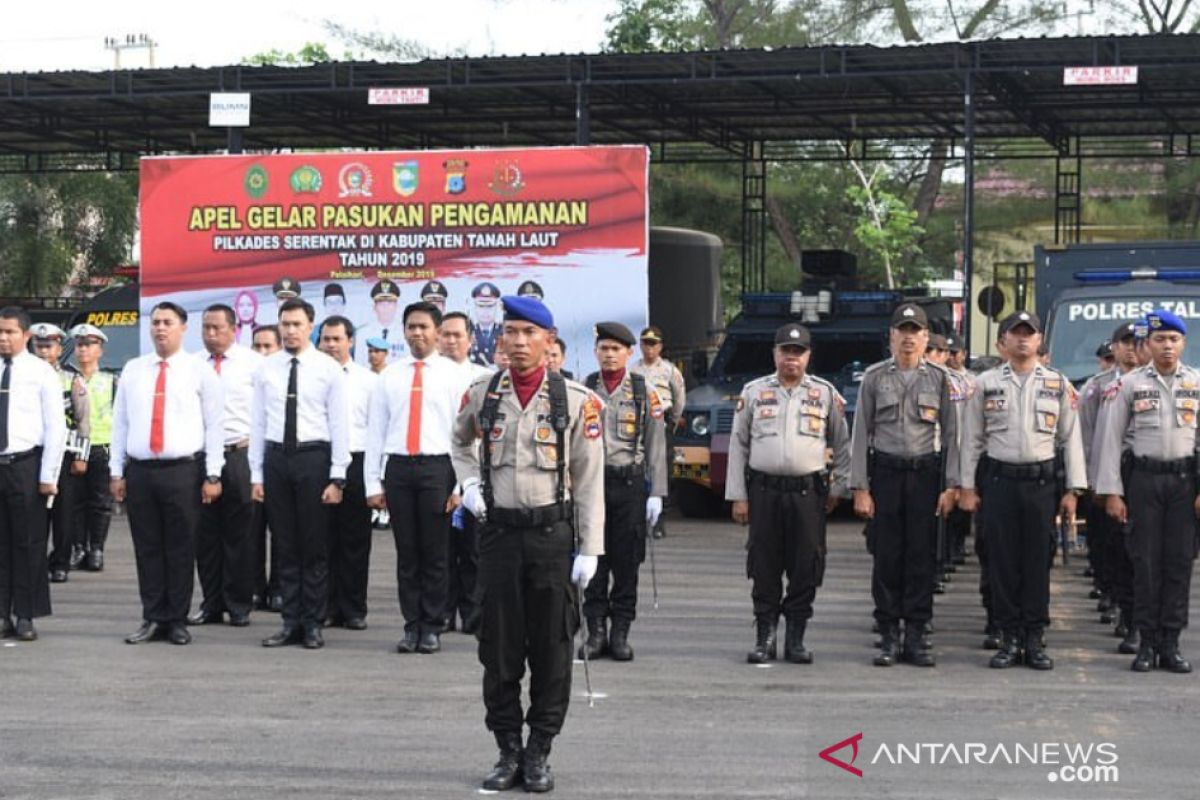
(995, 403)
(767, 412)
(1142, 404)
(1052, 384)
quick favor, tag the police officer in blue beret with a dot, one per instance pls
(1153, 487)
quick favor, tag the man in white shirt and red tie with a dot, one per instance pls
(350, 520)
(299, 453)
(412, 413)
(224, 544)
(167, 457)
(33, 433)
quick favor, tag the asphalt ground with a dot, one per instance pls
(84, 715)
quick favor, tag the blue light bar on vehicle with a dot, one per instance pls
(1139, 273)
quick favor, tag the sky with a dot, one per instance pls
(70, 34)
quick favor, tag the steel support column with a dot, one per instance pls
(754, 219)
(583, 116)
(968, 245)
(1068, 192)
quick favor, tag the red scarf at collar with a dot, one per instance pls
(612, 379)
(526, 386)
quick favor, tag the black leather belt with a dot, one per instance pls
(910, 463)
(1178, 466)
(300, 446)
(625, 473)
(418, 459)
(1035, 471)
(13, 458)
(785, 483)
(160, 463)
(242, 445)
(529, 517)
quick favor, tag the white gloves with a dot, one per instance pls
(653, 510)
(584, 569)
(472, 499)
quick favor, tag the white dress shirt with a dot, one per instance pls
(238, 368)
(193, 413)
(442, 389)
(35, 393)
(322, 408)
(360, 382)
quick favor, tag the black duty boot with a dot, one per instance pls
(1035, 651)
(915, 649)
(1123, 626)
(534, 767)
(597, 639)
(1169, 657)
(793, 646)
(507, 772)
(1144, 660)
(618, 643)
(991, 637)
(1129, 636)
(1009, 654)
(77, 556)
(889, 648)
(764, 641)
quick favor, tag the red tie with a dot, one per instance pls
(160, 405)
(217, 359)
(414, 411)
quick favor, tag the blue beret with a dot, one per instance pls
(376, 343)
(1163, 320)
(528, 309)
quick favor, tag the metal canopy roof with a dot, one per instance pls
(692, 105)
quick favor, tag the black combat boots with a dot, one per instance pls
(534, 767)
(507, 772)
(1009, 654)
(916, 649)
(597, 639)
(1169, 657)
(793, 645)
(618, 643)
(764, 641)
(1144, 660)
(889, 645)
(1035, 651)
(1128, 634)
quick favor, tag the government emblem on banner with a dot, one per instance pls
(506, 178)
(404, 177)
(256, 182)
(456, 175)
(305, 180)
(354, 180)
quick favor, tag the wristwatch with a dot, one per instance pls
(339, 482)
(213, 479)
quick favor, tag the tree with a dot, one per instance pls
(887, 226)
(309, 53)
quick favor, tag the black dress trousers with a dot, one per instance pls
(163, 500)
(24, 590)
(417, 488)
(787, 536)
(66, 518)
(624, 551)
(293, 483)
(97, 501)
(350, 547)
(905, 542)
(224, 546)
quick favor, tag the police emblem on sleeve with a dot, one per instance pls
(591, 418)
(656, 407)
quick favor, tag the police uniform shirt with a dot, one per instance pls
(1159, 412)
(239, 365)
(1090, 401)
(781, 431)
(524, 455)
(322, 408)
(622, 437)
(35, 393)
(101, 390)
(75, 402)
(193, 412)
(441, 394)
(907, 418)
(962, 386)
(667, 380)
(1022, 421)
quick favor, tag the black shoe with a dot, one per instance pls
(58, 576)
(1035, 653)
(77, 556)
(1169, 657)
(764, 641)
(27, 633)
(1088, 572)
(793, 642)
(288, 634)
(95, 561)
(429, 643)
(991, 638)
(313, 640)
(1145, 658)
(203, 617)
(261, 603)
(409, 643)
(7, 629)
(939, 587)
(147, 632)
(1096, 594)
(507, 772)
(450, 624)
(534, 769)
(889, 646)
(333, 621)
(177, 633)
(275, 603)
(1009, 654)
(355, 624)
(618, 642)
(1123, 627)
(239, 620)
(916, 647)
(596, 645)
(470, 623)
(1129, 643)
